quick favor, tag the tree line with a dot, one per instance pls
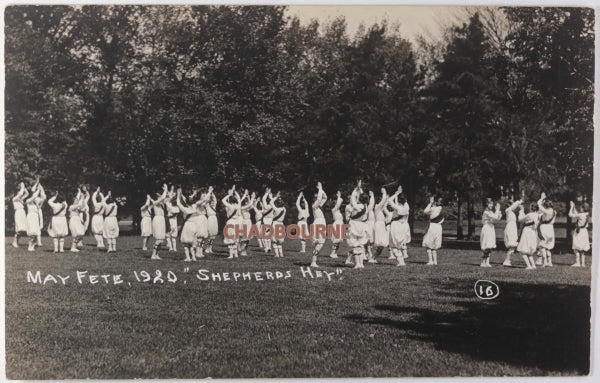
(129, 97)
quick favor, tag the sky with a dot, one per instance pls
(412, 20)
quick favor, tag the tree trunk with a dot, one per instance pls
(470, 214)
(569, 224)
(459, 220)
(410, 198)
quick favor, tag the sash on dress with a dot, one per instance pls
(539, 231)
(110, 211)
(279, 216)
(524, 225)
(398, 218)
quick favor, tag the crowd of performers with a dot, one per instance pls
(374, 225)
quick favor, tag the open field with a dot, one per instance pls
(382, 321)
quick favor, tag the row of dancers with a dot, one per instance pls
(104, 223)
(374, 225)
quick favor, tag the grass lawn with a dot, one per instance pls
(382, 321)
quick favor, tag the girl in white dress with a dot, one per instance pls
(487, 239)
(338, 222)
(188, 230)
(432, 240)
(511, 233)
(199, 221)
(158, 221)
(370, 227)
(246, 222)
(258, 216)
(75, 223)
(347, 214)
(98, 201)
(172, 211)
(546, 230)
(399, 236)
(319, 220)
(212, 221)
(528, 240)
(33, 218)
(58, 228)
(278, 217)
(358, 225)
(382, 234)
(20, 215)
(146, 222)
(581, 237)
(84, 213)
(303, 214)
(40, 202)
(111, 224)
(234, 219)
(267, 218)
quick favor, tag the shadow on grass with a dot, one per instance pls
(531, 325)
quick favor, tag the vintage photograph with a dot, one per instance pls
(295, 191)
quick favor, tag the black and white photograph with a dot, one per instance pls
(235, 191)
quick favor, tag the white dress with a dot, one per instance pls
(234, 218)
(159, 230)
(98, 219)
(382, 233)
(528, 240)
(302, 224)
(201, 222)
(20, 217)
(358, 227)
(146, 222)
(370, 225)
(246, 222)
(319, 222)
(278, 223)
(212, 221)
(33, 220)
(433, 237)
(338, 221)
(581, 237)
(487, 238)
(58, 224)
(111, 224)
(399, 228)
(188, 230)
(546, 232)
(75, 222)
(511, 234)
(172, 212)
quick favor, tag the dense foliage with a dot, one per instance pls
(129, 97)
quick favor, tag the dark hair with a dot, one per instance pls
(533, 207)
(548, 204)
(585, 207)
(401, 199)
(363, 198)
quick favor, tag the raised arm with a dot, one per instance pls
(265, 198)
(429, 206)
(338, 201)
(572, 211)
(162, 196)
(33, 196)
(146, 204)
(541, 206)
(298, 202)
(354, 198)
(383, 200)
